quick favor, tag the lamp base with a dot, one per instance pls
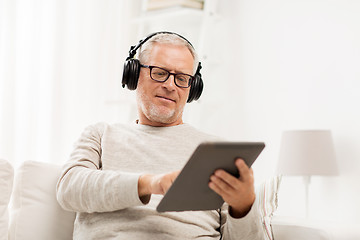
(307, 180)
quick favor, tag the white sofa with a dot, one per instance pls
(34, 211)
(6, 183)
(36, 215)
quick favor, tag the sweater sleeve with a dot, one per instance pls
(84, 187)
(248, 227)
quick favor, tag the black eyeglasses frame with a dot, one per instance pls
(169, 74)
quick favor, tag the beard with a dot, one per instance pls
(157, 113)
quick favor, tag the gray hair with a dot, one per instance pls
(166, 38)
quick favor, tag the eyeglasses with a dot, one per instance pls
(159, 74)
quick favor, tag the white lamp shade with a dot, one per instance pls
(307, 152)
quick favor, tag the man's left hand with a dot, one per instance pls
(239, 192)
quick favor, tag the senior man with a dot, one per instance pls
(118, 173)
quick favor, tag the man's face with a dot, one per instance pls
(162, 103)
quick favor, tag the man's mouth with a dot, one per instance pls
(166, 98)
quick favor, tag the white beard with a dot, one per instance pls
(154, 112)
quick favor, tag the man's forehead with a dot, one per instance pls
(172, 57)
(171, 50)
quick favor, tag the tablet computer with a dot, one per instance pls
(190, 190)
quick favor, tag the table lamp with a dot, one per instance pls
(307, 153)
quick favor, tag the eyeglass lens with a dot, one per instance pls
(159, 74)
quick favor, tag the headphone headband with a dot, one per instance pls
(134, 48)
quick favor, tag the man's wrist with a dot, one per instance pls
(144, 185)
(241, 211)
(235, 213)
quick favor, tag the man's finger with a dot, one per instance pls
(227, 178)
(223, 188)
(244, 170)
(174, 175)
(216, 188)
(169, 179)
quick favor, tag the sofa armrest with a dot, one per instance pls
(6, 184)
(35, 212)
(303, 229)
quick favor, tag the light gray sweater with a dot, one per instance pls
(99, 182)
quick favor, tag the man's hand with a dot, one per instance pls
(155, 184)
(239, 192)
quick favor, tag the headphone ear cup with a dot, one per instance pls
(131, 73)
(125, 76)
(196, 88)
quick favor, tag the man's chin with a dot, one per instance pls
(163, 115)
(162, 118)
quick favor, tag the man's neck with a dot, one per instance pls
(158, 124)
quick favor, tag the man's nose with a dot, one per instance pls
(170, 83)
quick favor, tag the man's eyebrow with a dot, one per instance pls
(176, 71)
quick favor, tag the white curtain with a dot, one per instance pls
(60, 70)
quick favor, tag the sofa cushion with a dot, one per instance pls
(6, 184)
(298, 229)
(35, 212)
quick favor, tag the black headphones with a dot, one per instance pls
(132, 70)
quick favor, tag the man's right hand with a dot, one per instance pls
(155, 184)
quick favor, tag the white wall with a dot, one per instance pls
(60, 70)
(292, 65)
